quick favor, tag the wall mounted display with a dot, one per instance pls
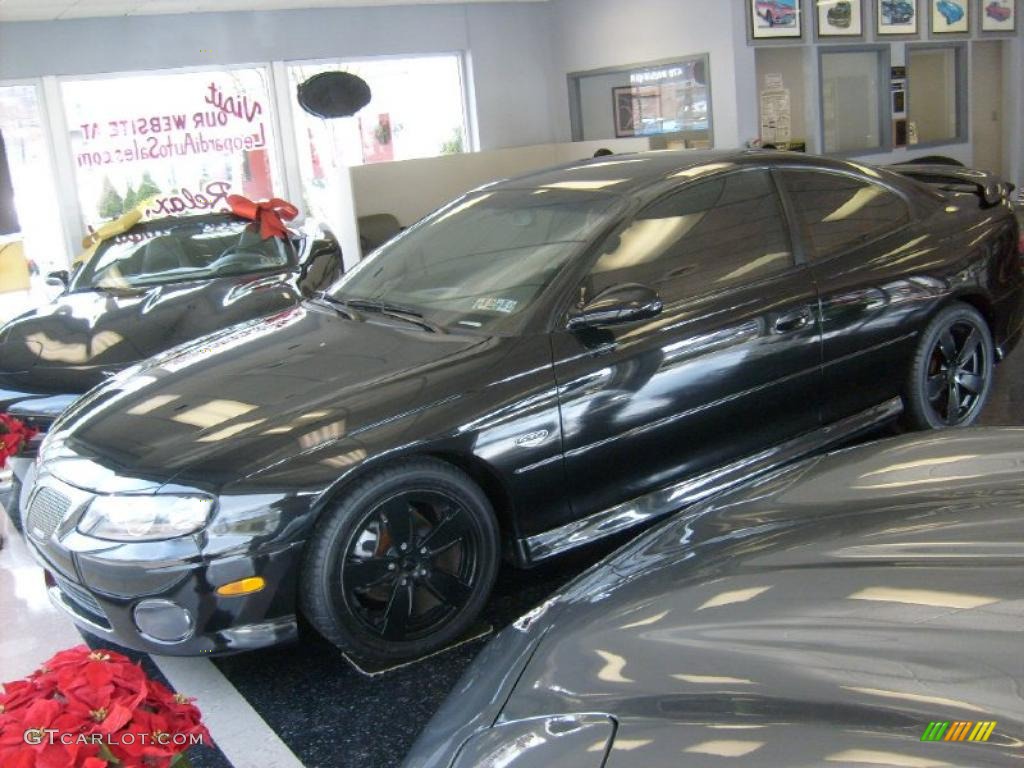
(667, 100)
(636, 108)
(840, 18)
(896, 17)
(949, 17)
(998, 16)
(775, 18)
(671, 99)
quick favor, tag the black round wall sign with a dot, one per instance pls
(334, 94)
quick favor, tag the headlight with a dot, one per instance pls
(145, 518)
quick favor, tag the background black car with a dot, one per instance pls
(164, 282)
(544, 362)
(824, 616)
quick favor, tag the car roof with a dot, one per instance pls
(631, 173)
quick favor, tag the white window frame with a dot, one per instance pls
(469, 122)
(67, 197)
(63, 148)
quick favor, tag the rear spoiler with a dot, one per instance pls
(950, 178)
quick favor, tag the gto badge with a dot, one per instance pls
(532, 439)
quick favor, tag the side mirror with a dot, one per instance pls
(61, 279)
(618, 304)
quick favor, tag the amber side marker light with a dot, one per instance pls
(242, 587)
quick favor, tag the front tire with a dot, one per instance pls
(951, 374)
(403, 564)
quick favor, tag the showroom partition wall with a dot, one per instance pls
(779, 82)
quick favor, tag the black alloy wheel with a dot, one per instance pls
(403, 564)
(952, 371)
(411, 565)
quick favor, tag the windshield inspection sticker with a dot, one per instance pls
(489, 304)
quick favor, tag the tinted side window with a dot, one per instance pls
(839, 212)
(705, 237)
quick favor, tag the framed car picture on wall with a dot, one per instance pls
(775, 18)
(637, 110)
(949, 17)
(896, 17)
(998, 16)
(840, 18)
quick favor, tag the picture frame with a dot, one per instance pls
(949, 17)
(999, 16)
(840, 18)
(629, 104)
(775, 19)
(897, 17)
(623, 112)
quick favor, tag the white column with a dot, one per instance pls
(287, 139)
(59, 140)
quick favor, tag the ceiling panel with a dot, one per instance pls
(50, 10)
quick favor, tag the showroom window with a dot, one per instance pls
(668, 101)
(936, 86)
(838, 212)
(708, 236)
(184, 140)
(29, 221)
(418, 109)
(854, 100)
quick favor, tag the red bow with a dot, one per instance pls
(270, 214)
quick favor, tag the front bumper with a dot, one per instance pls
(105, 587)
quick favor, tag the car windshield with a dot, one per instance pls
(188, 250)
(481, 261)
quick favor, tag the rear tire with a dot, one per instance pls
(951, 374)
(403, 563)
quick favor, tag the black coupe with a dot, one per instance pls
(544, 362)
(164, 282)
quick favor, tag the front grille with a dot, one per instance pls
(81, 600)
(46, 511)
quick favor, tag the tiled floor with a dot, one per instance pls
(31, 630)
(305, 704)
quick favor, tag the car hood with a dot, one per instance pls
(259, 393)
(826, 615)
(77, 340)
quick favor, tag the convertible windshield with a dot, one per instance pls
(480, 261)
(199, 250)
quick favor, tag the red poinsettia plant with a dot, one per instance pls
(95, 709)
(13, 435)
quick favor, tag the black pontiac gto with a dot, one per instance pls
(164, 282)
(853, 610)
(544, 362)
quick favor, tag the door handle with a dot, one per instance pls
(794, 321)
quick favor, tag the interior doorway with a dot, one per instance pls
(987, 105)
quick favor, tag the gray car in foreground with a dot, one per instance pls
(837, 613)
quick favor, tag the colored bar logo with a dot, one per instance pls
(959, 730)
